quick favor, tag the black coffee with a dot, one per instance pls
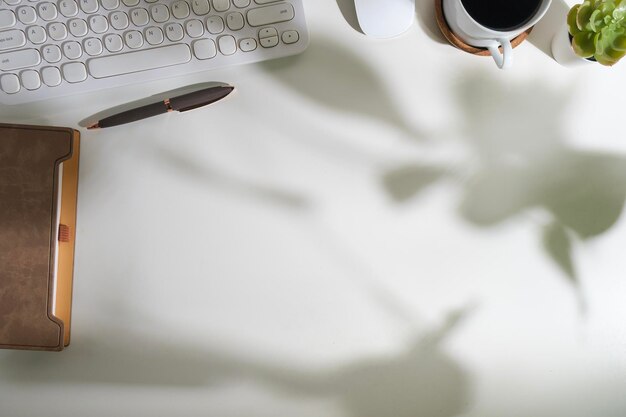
(502, 15)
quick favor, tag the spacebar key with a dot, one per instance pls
(147, 59)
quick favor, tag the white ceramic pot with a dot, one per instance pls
(562, 50)
(475, 34)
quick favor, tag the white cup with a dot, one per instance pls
(475, 34)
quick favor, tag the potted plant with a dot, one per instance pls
(595, 31)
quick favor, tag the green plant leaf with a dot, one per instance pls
(571, 20)
(583, 44)
(619, 43)
(582, 17)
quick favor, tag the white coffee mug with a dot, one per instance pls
(475, 34)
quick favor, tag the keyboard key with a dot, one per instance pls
(194, 28)
(154, 35)
(119, 20)
(37, 35)
(160, 13)
(51, 76)
(270, 42)
(290, 36)
(204, 49)
(89, 6)
(265, 1)
(68, 8)
(10, 39)
(110, 4)
(221, 5)
(268, 15)
(227, 44)
(31, 80)
(139, 17)
(51, 53)
(74, 72)
(267, 32)
(12, 2)
(72, 50)
(174, 32)
(93, 46)
(241, 3)
(247, 45)
(214, 24)
(47, 11)
(10, 83)
(78, 27)
(200, 7)
(130, 3)
(7, 19)
(112, 65)
(24, 58)
(98, 24)
(235, 21)
(27, 15)
(180, 9)
(57, 31)
(133, 39)
(113, 42)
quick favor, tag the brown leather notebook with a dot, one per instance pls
(38, 191)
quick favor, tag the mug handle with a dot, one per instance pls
(504, 60)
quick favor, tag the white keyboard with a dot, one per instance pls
(51, 48)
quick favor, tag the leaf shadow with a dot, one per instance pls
(519, 161)
(334, 77)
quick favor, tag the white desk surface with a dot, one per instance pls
(359, 232)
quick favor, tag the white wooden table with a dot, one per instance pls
(371, 229)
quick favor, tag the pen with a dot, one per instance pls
(181, 104)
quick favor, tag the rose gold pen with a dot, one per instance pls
(182, 103)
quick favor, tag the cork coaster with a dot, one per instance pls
(460, 44)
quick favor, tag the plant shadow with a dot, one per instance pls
(420, 380)
(519, 162)
(347, 85)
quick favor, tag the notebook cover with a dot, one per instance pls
(29, 187)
